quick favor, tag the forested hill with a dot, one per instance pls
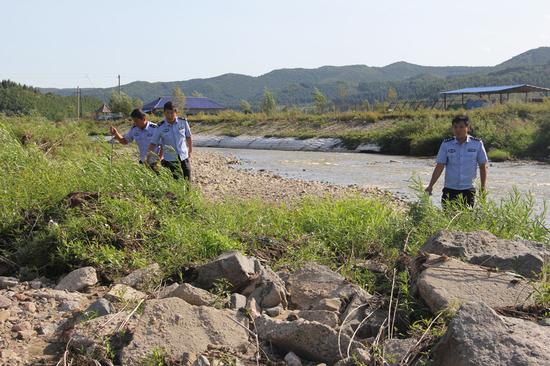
(346, 84)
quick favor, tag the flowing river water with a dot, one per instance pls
(392, 173)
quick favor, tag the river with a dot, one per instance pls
(392, 173)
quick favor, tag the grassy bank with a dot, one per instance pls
(129, 217)
(518, 130)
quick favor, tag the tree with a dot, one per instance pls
(178, 99)
(343, 93)
(366, 105)
(392, 95)
(269, 105)
(246, 107)
(121, 103)
(321, 100)
(137, 103)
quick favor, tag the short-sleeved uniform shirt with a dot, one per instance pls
(172, 137)
(461, 161)
(142, 137)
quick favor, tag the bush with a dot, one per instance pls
(499, 155)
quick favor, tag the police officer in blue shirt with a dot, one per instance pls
(174, 135)
(460, 156)
(141, 132)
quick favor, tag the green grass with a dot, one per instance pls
(136, 217)
(499, 155)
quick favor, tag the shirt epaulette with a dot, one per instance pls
(448, 139)
(475, 138)
(153, 125)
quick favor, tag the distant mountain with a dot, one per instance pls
(344, 84)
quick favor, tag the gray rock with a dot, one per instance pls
(273, 312)
(449, 282)
(166, 290)
(124, 293)
(193, 295)
(545, 322)
(309, 340)
(7, 282)
(329, 318)
(4, 302)
(370, 327)
(100, 307)
(292, 360)
(313, 283)
(483, 248)
(58, 295)
(201, 361)
(477, 335)
(267, 288)
(233, 267)
(68, 305)
(143, 279)
(329, 305)
(237, 301)
(396, 349)
(168, 324)
(78, 279)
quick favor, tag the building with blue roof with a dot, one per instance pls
(502, 91)
(193, 105)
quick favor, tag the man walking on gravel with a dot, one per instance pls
(174, 136)
(460, 156)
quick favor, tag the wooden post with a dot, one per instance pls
(500, 98)
(444, 102)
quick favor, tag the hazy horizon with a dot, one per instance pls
(64, 44)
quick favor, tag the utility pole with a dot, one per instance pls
(119, 84)
(77, 102)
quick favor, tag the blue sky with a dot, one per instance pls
(62, 43)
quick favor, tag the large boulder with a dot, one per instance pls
(143, 279)
(449, 282)
(313, 283)
(477, 335)
(483, 248)
(78, 279)
(233, 267)
(310, 340)
(177, 327)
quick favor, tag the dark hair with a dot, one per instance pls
(137, 113)
(461, 118)
(168, 106)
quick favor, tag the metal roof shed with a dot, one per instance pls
(500, 90)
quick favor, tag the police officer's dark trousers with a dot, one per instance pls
(178, 168)
(450, 195)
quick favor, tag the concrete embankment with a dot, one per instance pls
(276, 143)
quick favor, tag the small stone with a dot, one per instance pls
(35, 284)
(4, 302)
(237, 301)
(100, 307)
(25, 325)
(29, 306)
(273, 312)
(68, 305)
(4, 315)
(545, 322)
(144, 278)
(78, 279)
(25, 334)
(166, 290)
(193, 295)
(122, 292)
(201, 361)
(47, 329)
(21, 297)
(7, 282)
(292, 360)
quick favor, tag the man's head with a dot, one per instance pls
(170, 112)
(461, 126)
(139, 118)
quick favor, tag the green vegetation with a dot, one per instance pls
(16, 99)
(123, 216)
(499, 155)
(521, 129)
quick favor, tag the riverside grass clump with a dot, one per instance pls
(63, 205)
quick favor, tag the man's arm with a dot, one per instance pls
(483, 175)
(435, 176)
(189, 142)
(118, 136)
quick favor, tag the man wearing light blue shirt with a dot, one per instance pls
(174, 136)
(460, 156)
(141, 132)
